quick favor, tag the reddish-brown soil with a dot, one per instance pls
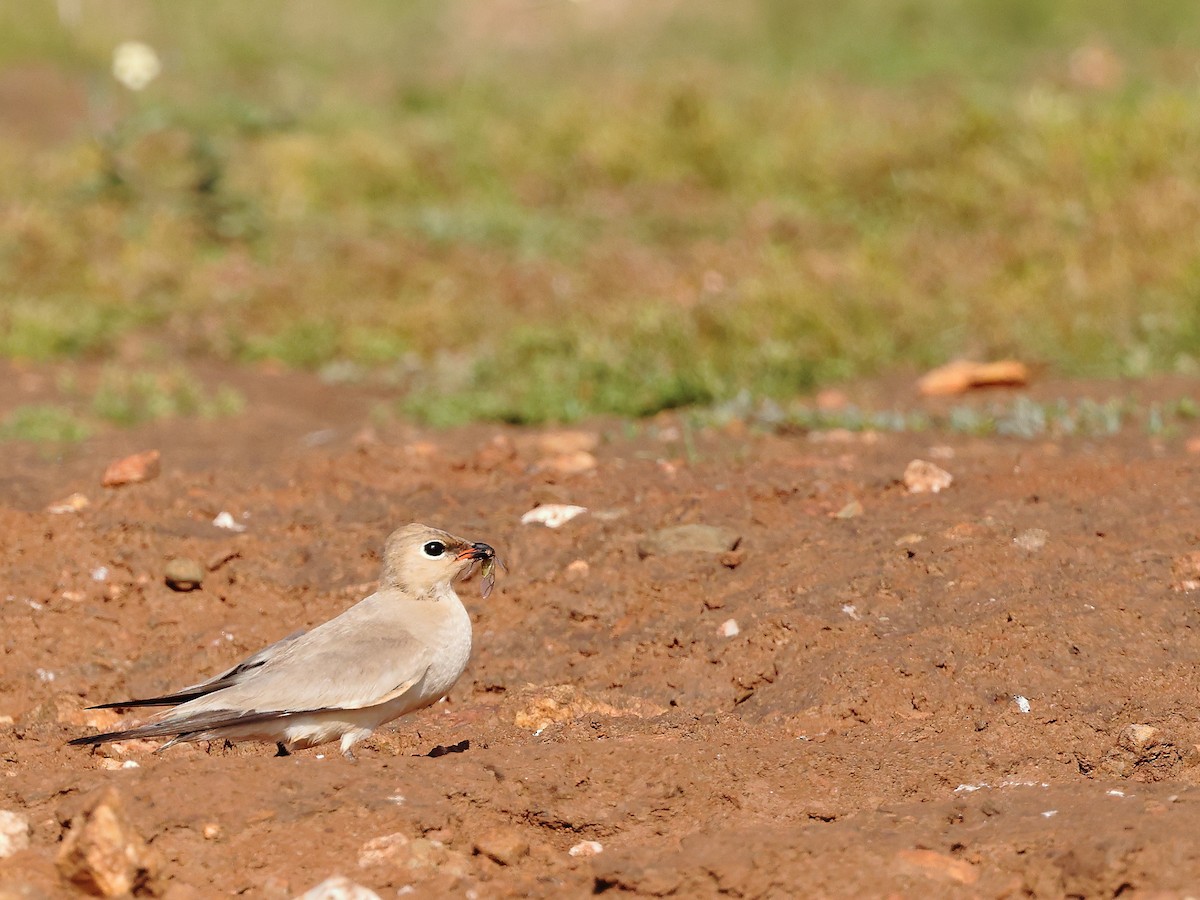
(863, 733)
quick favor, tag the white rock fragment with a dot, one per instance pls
(1022, 703)
(1050, 813)
(227, 521)
(100, 573)
(44, 675)
(587, 848)
(72, 504)
(922, 477)
(851, 610)
(1032, 540)
(729, 628)
(1115, 793)
(552, 515)
(339, 887)
(14, 833)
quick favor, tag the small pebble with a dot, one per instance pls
(14, 833)
(183, 574)
(1022, 703)
(587, 848)
(133, 469)
(1032, 540)
(921, 477)
(851, 510)
(552, 515)
(729, 628)
(71, 504)
(227, 521)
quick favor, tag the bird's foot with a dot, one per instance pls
(281, 749)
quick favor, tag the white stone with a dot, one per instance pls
(552, 515)
(339, 887)
(14, 833)
(587, 848)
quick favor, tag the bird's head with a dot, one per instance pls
(418, 558)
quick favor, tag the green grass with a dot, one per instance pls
(43, 424)
(539, 211)
(120, 397)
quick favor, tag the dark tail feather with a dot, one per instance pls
(142, 731)
(166, 700)
(201, 726)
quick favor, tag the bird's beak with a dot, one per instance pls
(477, 551)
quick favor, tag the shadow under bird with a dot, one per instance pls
(396, 651)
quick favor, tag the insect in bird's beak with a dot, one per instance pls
(481, 552)
(478, 550)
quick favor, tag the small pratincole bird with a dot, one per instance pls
(398, 650)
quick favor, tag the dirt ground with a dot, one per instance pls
(989, 691)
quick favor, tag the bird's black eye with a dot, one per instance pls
(434, 549)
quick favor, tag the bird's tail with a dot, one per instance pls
(201, 726)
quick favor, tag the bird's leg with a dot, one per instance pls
(281, 749)
(349, 754)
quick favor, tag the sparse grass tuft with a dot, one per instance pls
(43, 424)
(130, 398)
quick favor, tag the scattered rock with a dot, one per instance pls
(227, 521)
(932, 864)
(1144, 753)
(72, 504)
(14, 833)
(183, 574)
(575, 463)
(1032, 540)
(339, 887)
(729, 628)
(399, 851)
(1137, 738)
(851, 510)
(587, 848)
(563, 703)
(211, 831)
(921, 477)
(504, 845)
(563, 443)
(102, 854)
(731, 559)
(132, 469)
(382, 849)
(961, 375)
(578, 570)
(552, 515)
(688, 539)
(1186, 571)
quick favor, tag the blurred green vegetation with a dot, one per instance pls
(120, 396)
(529, 210)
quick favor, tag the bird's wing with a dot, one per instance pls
(225, 679)
(364, 657)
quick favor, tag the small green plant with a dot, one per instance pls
(130, 398)
(43, 424)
